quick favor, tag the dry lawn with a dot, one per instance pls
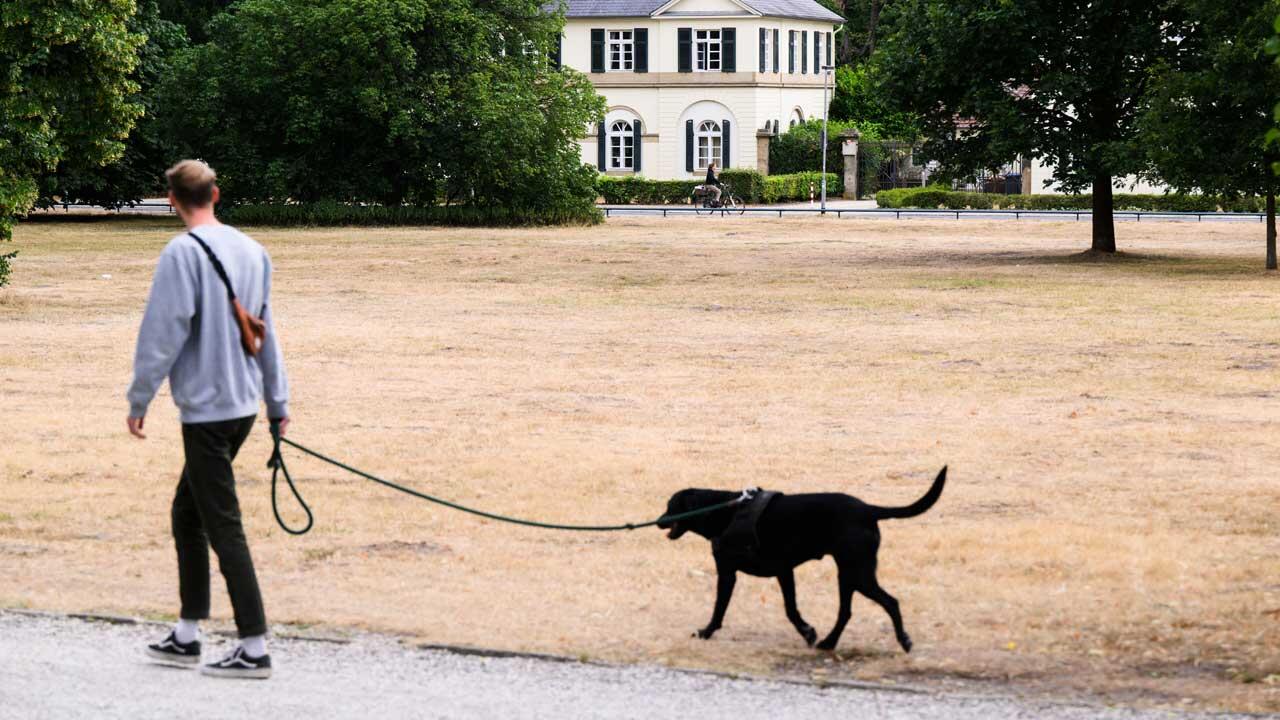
(1110, 526)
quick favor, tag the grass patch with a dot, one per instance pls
(1106, 425)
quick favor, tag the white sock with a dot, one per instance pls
(254, 645)
(186, 630)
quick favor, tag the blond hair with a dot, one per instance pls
(191, 182)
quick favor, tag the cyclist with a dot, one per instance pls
(713, 183)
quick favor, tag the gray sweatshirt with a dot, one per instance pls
(189, 332)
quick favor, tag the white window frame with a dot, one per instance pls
(621, 145)
(709, 143)
(768, 50)
(708, 53)
(817, 47)
(621, 48)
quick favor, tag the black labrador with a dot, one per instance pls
(771, 539)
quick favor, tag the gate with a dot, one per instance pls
(888, 165)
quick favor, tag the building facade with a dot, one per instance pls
(687, 82)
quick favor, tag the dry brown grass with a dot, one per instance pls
(1110, 525)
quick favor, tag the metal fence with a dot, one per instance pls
(151, 208)
(1134, 215)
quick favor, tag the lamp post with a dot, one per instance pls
(826, 75)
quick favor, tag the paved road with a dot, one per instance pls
(53, 667)
(867, 209)
(849, 209)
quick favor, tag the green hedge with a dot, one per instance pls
(333, 213)
(628, 190)
(799, 149)
(749, 184)
(936, 196)
(796, 186)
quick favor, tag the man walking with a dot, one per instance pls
(191, 334)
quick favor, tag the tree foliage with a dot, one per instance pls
(859, 100)
(1206, 121)
(857, 41)
(148, 150)
(1063, 80)
(385, 101)
(65, 93)
(192, 15)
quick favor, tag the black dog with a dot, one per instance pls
(770, 534)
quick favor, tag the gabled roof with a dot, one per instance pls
(798, 9)
(802, 9)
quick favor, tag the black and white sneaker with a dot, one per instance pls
(238, 664)
(171, 652)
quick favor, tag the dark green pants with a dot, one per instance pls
(206, 512)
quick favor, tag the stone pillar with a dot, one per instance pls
(1027, 188)
(763, 138)
(849, 148)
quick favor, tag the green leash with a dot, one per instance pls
(277, 465)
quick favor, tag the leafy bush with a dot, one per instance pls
(330, 213)
(749, 184)
(796, 186)
(628, 190)
(937, 196)
(800, 150)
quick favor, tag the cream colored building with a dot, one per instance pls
(690, 81)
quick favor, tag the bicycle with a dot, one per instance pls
(704, 202)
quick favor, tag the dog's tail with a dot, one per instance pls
(916, 508)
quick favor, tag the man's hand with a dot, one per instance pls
(284, 424)
(135, 427)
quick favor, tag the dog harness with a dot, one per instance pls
(741, 539)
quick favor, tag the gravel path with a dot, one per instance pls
(56, 667)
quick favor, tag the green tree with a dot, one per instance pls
(192, 15)
(1059, 79)
(857, 41)
(404, 101)
(858, 99)
(64, 94)
(1206, 122)
(148, 151)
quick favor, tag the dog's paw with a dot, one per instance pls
(810, 635)
(705, 633)
(905, 642)
(827, 644)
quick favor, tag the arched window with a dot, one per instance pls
(621, 146)
(797, 118)
(709, 140)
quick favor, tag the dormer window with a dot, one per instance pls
(621, 50)
(707, 50)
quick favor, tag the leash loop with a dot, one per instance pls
(277, 465)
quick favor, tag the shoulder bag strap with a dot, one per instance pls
(217, 265)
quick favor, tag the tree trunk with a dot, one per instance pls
(1271, 227)
(845, 56)
(1104, 225)
(873, 26)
